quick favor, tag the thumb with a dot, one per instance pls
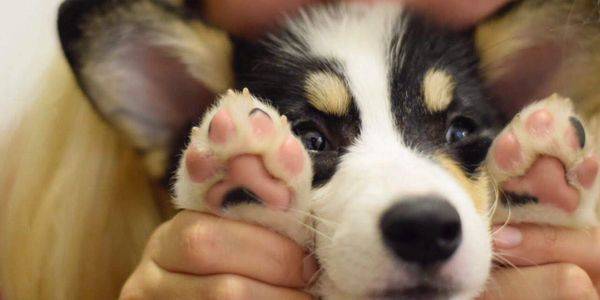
(249, 18)
(457, 13)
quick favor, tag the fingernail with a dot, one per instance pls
(309, 268)
(506, 237)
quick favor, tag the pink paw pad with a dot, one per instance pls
(261, 123)
(540, 123)
(248, 172)
(546, 180)
(290, 155)
(200, 166)
(221, 127)
(587, 171)
(507, 151)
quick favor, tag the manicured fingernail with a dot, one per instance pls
(309, 268)
(506, 237)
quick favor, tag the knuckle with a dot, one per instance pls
(129, 294)
(574, 283)
(284, 256)
(231, 288)
(595, 248)
(200, 243)
(550, 238)
(158, 236)
(595, 245)
(133, 289)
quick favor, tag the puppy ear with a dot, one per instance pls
(150, 67)
(535, 48)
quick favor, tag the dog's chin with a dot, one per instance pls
(422, 292)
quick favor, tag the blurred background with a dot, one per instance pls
(28, 42)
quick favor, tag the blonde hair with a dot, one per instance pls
(77, 204)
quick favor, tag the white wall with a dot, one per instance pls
(27, 41)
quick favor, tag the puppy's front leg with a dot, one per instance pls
(243, 162)
(545, 167)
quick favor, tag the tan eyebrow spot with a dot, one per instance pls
(328, 93)
(438, 89)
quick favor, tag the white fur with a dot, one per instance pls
(246, 142)
(378, 171)
(368, 181)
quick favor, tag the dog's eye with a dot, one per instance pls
(313, 140)
(460, 129)
(311, 137)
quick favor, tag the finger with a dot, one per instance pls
(549, 282)
(224, 287)
(457, 13)
(245, 17)
(527, 245)
(201, 244)
(153, 283)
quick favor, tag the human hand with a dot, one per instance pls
(457, 13)
(199, 256)
(244, 17)
(553, 263)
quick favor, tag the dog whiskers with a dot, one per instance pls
(500, 258)
(318, 272)
(314, 217)
(305, 214)
(504, 256)
(499, 288)
(312, 229)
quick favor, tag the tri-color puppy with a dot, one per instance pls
(363, 132)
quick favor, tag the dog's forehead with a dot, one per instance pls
(381, 72)
(400, 71)
(358, 38)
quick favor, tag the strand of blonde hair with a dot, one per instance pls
(77, 204)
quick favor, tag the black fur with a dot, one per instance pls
(579, 130)
(279, 77)
(71, 17)
(238, 196)
(425, 46)
(517, 199)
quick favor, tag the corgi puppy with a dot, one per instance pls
(381, 141)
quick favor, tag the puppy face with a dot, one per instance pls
(392, 111)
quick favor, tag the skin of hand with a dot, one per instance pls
(200, 256)
(457, 13)
(553, 263)
(250, 18)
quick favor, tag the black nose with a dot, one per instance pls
(422, 230)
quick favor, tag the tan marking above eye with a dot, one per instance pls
(479, 187)
(438, 90)
(328, 93)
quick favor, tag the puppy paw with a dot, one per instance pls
(544, 167)
(243, 162)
